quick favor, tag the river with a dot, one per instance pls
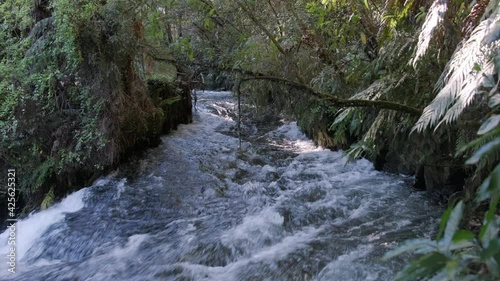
(197, 208)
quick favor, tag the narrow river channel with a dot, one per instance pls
(195, 208)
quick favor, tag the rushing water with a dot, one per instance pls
(198, 209)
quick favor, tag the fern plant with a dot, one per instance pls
(433, 19)
(456, 254)
(360, 149)
(460, 254)
(469, 70)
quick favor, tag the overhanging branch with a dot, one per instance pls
(325, 97)
(334, 100)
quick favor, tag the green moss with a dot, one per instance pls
(48, 200)
(163, 71)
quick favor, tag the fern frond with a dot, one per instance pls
(467, 95)
(464, 74)
(434, 17)
(373, 92)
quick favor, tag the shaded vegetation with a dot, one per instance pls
(405, 83)
(74, 92)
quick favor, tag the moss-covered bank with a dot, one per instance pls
(75, 96)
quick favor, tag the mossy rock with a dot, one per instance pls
(163, 71)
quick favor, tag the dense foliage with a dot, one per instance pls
(73, 91)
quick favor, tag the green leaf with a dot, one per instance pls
(489, 124)
(494, 101)
(170, 101)
(460, 245)
(354, 19)
(493, 268)
(452, 224)
(444, 220)
(452, 269)
(492, 250)
(483, 150)
(423, 268)
(463, 235)
(490, 188)
(488, 233)
(414, 245)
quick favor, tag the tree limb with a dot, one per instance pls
(262, 27)
(334, 100)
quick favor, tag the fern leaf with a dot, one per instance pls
(434, 17)
(459, 82)
(373, 92)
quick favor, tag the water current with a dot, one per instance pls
(197, 208)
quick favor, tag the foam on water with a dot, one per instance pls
(255, 229)
(30, 229)
(130, 248)
(294, 139)
(268, 255)
(200, 209)
(347, 266)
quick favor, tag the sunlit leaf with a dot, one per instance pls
(458, 84)
(342, 115)
(433, 18)
(494, 101)
(460, 245)
(414, 245)
(482, 151)
(440, 276)
(489, 124)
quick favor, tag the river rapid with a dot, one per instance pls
(197, 208)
